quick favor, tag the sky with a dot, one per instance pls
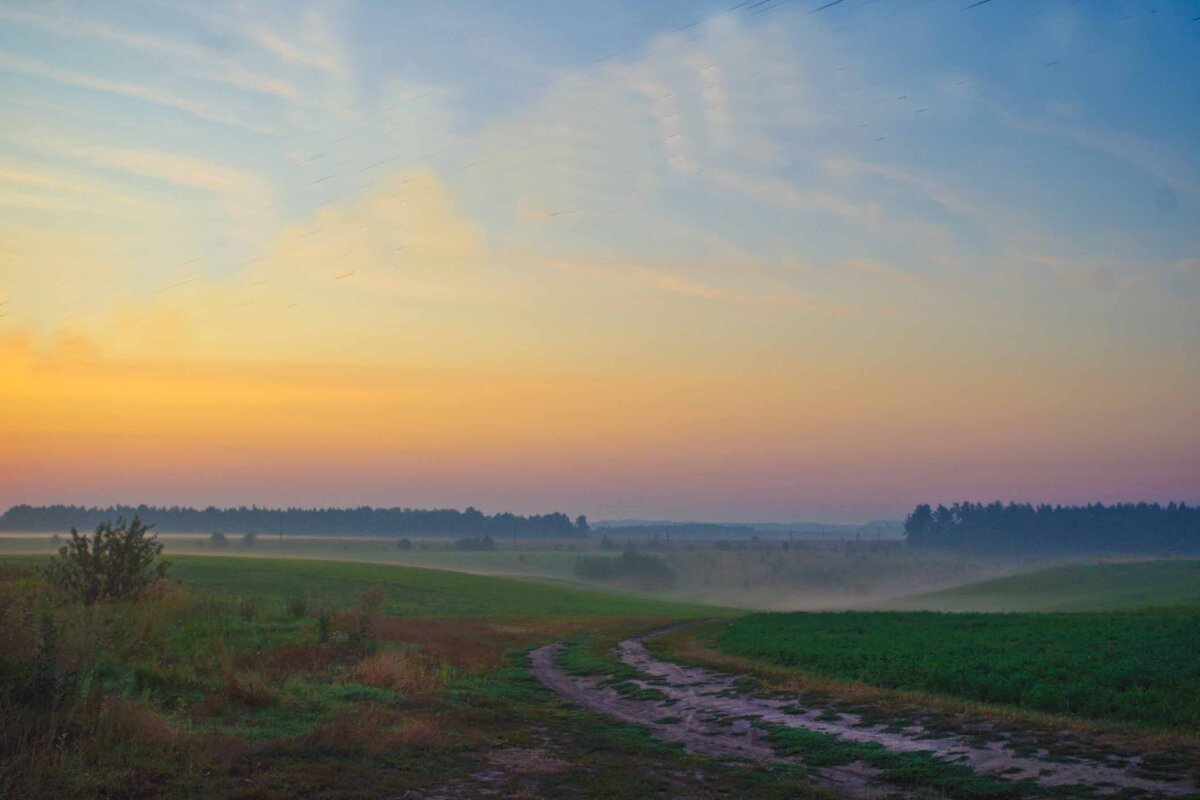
(778, 260)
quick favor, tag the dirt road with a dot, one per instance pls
(705, 711)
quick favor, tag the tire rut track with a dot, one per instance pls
(707, 714)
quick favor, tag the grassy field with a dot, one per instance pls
(1075, 587)
(1139, 667)
(529, 559)
(413, 591)
(762, 575)
(267, 678)
(264, 679)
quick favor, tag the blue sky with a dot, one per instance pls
(815, 204)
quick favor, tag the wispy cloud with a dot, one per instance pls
(290, 51)
(871, 216)
(1152, 158)
(249, 80)
(79, 27)
(306, 36)
(43, 180)
(953, 200)
(663, 280)
(198, 60)
(886, 272)
(59, 205)
(173, 168)
(147, 94)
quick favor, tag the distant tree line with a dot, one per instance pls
(1026, 529)
(361, 521)
(682, 531)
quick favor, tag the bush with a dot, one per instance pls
(368, 613)
(485, 542)
(249, 540)
(248, 608)
(117, 562)
(404, 544)
(297, 607)
(630, 567)
(218, 540)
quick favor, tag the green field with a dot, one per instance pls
(410, 591)
(414, 591)
(536, 559)
(1141, 667)
(805, 576)
(1075, 587)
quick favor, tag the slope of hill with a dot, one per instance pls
(1074, 587)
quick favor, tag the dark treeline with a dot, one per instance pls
(1025, 529)
(362, 521)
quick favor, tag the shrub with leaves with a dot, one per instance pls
(248, 608)
(117, 562)
(297, 606)
(631, 567)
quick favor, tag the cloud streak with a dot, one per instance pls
(148, 94)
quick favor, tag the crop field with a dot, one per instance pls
(1075, 587)
(1141, 667)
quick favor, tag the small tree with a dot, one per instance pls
(117, 562)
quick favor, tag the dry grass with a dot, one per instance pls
(100, 743)
(303, 659)
(249, 688)
(465, 645)
(404, 672)
(375, 730)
